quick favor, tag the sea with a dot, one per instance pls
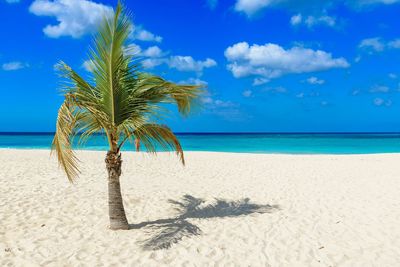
(277, 143)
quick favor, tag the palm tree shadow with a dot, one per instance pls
(166, 232)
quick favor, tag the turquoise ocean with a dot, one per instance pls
(304, 143)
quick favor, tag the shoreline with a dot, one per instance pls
(206, 151)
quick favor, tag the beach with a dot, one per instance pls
(221, 209)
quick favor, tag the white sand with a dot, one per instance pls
(333, 211)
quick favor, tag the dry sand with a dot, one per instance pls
(222, 209)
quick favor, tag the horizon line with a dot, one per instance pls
(209, 133)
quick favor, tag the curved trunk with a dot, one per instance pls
(115, 205)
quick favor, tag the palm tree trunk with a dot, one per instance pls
(116, 210)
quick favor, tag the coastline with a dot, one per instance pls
(288, 210)
(206, 151)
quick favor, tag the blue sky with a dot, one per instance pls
(269, 65)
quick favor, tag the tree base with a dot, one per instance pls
(115, 227)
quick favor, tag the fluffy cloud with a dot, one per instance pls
(315, 80)
(312, 21)
(181, 63)
(251, 7)
(296, 19)
(271, 61)
(139, 33)
(373, 44)
(154, 56)
(79, 17)
(14, 65)
(187, 63)
(377, 44)
(152, 51)
(150, 63)
(75, 17)
(132, 49)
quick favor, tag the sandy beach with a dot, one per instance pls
(222, 209)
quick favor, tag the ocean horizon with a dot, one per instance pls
(254, 142)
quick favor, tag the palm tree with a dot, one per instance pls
(119, 101)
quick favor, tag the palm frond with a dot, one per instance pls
(113, 70)
(62, 143)
(155, 90)
(151, 135)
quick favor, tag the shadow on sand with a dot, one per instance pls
(166, 232)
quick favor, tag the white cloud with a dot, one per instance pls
(312, 21)
(75, 17)
(139, 33)
(252, 7)
(14, 65)
(153, 55)
(260, 81)
(394, 43)
(315, 80)
(378, 101)
(187, 63)
(247, 93)
(207, 100)
(296, 19)
(150, 63)
(88, 65)
(195, 81)
(132, 49)
(79, 17)
(152, 51)
(379, 89)
(372, 43)
(156, 57)
(382, 102)
(214, 103)
(392, 76)
(371, 2)
(271, 61)
(376, 44)
(224, 104)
